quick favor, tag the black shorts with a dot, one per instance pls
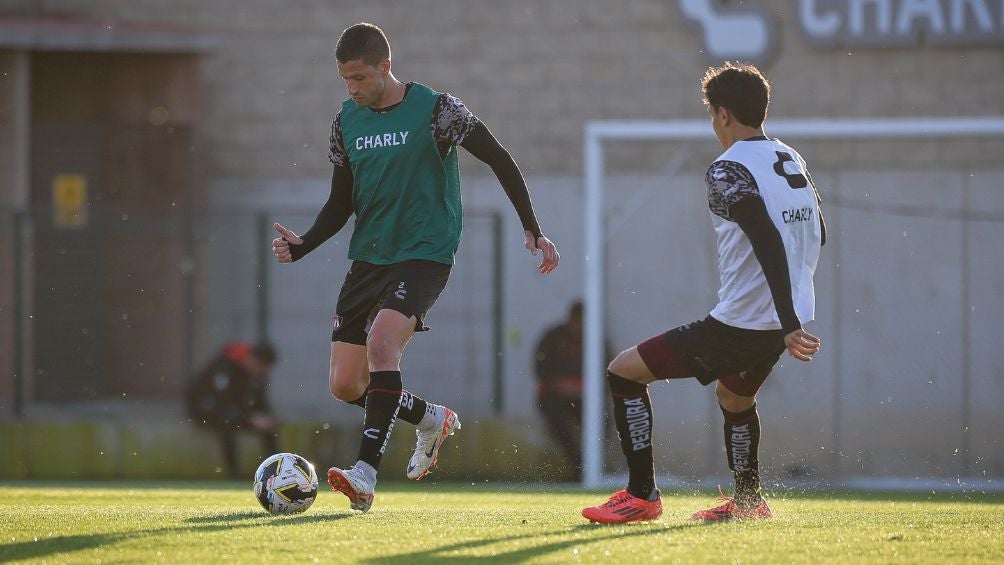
(409, 287)
(709, 350)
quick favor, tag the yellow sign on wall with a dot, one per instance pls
(69, 201)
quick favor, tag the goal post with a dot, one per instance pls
(596, 132)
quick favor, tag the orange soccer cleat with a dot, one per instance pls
(624, 507)
(731, 510)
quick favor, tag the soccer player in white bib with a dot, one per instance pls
(766, 216)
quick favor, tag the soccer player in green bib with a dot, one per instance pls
(393, 146)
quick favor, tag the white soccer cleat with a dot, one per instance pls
(353, 484)
(429, 441)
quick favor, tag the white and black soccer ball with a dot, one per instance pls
(285, 483)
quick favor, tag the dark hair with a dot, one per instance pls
(264, 352)
(363, 41)
(575, 310)
(741, 88)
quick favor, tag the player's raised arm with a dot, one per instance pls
(482, 144)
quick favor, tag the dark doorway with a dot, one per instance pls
(66, 167)
(112, 167)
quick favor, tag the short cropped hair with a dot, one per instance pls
(741, 88)
(363, 41)
(575, 310)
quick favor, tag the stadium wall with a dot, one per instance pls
(534, 71)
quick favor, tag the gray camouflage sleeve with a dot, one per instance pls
(729, 183)
(452, 122)
(336, 145)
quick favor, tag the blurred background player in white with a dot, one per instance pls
(765, 212)
(393, 146)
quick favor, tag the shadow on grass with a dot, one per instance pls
(235, 518)
(443, 553)
(233, 521)
(60, 544)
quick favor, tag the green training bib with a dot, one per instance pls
(406, 197)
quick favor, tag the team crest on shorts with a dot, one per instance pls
(336, 322)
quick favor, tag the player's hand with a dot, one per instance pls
(551, 257)
(801, 345)
(280, 245)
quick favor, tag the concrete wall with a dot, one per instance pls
(532, 70)
(901, 354)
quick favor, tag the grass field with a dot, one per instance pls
(416, 523)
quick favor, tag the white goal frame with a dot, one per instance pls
(676, 130)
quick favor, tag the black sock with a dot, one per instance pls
(412, 409)
(742, 442)
(383, 399)
(633, 415)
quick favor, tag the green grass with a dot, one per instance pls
(415, 523)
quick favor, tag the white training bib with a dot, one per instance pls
(780, 177)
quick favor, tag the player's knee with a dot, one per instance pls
(624, 366)
(731, 401)
(345, 389)
(617, 365)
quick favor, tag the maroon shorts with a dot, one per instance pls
(709, 350)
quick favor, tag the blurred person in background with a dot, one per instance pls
(394, 149)
(769, 229)
(558, 366)
(230, 395)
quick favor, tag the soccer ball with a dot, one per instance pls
(285, 483)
